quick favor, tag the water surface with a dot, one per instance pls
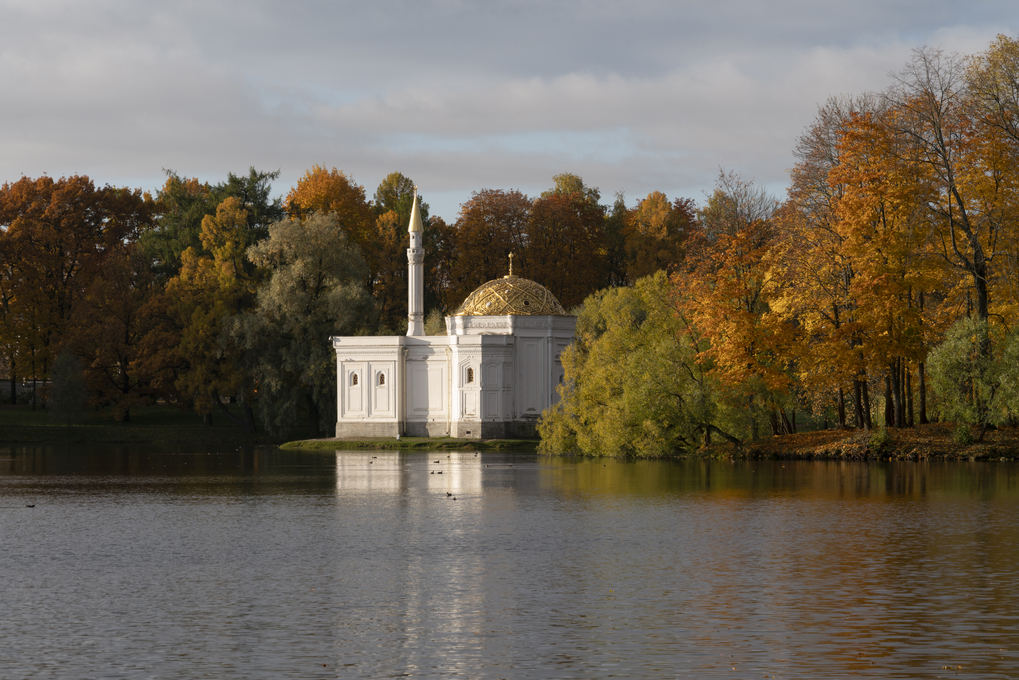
(146, 563)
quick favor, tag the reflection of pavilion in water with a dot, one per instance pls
(447, 588)
(398, 472)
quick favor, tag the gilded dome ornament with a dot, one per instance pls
(511, 295)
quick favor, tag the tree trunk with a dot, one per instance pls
(909, 398)
(898, 407)
(786, 425)
(923, 392)
(725, 435)
(867, 419)
(889, 404)
(249, 419)
(900, 392)
(842, 409)
(860, 423)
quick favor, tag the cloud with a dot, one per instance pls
(458, 95)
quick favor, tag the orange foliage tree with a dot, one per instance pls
(56, 237)
(565, 228)
(491, 225)
(726, 289)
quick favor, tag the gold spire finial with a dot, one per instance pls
(510, 275)
(415, 214)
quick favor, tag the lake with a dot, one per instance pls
(149, 562)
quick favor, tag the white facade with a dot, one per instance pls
(490, 376)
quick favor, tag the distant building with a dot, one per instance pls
(492, 374)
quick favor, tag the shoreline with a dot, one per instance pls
(930, 442)
(412, 444)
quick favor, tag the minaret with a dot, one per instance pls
(415, 273)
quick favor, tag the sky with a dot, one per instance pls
(633, 96)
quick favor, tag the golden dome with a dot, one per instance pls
(511, 295)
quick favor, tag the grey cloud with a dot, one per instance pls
(459, 95)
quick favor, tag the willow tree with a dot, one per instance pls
(633, 385)
(977, 385)
(314, 288)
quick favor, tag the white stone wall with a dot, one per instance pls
(486, 377)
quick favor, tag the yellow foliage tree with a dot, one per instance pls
(206, 292)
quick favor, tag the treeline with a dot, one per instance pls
(209, 294)
(884, 291)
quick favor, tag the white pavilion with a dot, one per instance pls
(490, 376)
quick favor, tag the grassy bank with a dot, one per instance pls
(414, 443)
(936, 441)
(20, 424)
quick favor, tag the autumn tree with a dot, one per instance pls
(565, 249)
(184, 202)
(811, 257)
(853, 251)
(993, 87)
(656, 231)
(491, 225)
(932, 115)
(108, 330)
(208, 290)
(727, 289)
(57, 236)
(886, 237)
(333, 191)
(388, 251)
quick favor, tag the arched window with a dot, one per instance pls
(382, 379)
(353, 379)
(470, 375)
